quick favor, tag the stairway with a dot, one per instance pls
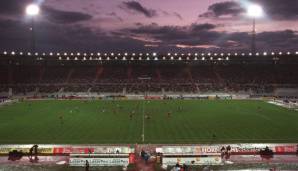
(129, 73)
(41, 73)
(71, 71)
(99, 72)
(189, 76)
(218, 76)
(158, 74)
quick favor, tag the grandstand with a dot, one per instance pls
(260, 74)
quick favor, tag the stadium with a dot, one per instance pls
(148, 110)
(146, 101)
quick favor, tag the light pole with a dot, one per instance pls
(32, 11)
(254, 11)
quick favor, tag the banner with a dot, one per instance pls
(171, 161)
(132, 158)
(99, 161)
(153, 97)
(68, 150)
(26, 150)
(191, 150)
(94, 149)
(249, 149)
(286, 149)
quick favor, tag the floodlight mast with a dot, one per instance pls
(32, 10)
(254, 34)
(254, 11)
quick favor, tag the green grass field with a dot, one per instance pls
(191, 121)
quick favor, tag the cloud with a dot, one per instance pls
(138, 8)
(276, 9)
(230, 8)
(280, 9)
(64, 17)
(13, 7)
(17, 7)
(171, 33)
(175, 14)
(113, 14)
(204, 36)
(280, 40)
(178, 15)
(194, 36)
(196, 46)
(202, 27)
(151, 45)
(15, 35)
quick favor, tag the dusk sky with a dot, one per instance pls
(148, 26)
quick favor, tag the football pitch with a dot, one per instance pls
(156, 122)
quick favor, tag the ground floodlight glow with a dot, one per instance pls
(255, 11)
(32, 10)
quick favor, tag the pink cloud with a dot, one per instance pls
(196, 46)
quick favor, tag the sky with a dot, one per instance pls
(148, 26)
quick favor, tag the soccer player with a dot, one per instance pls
(178, 109)
(147, 116)
(169, 114)
(61, 119)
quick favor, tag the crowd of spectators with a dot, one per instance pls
(140, 79)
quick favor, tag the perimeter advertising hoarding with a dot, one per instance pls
(235, 149)
(213, 160)
(26, 150)
(42, 149)
(99, 161)
(94, 149)
(67, 149)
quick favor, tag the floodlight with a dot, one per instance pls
(32, 10)
(255, 11)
